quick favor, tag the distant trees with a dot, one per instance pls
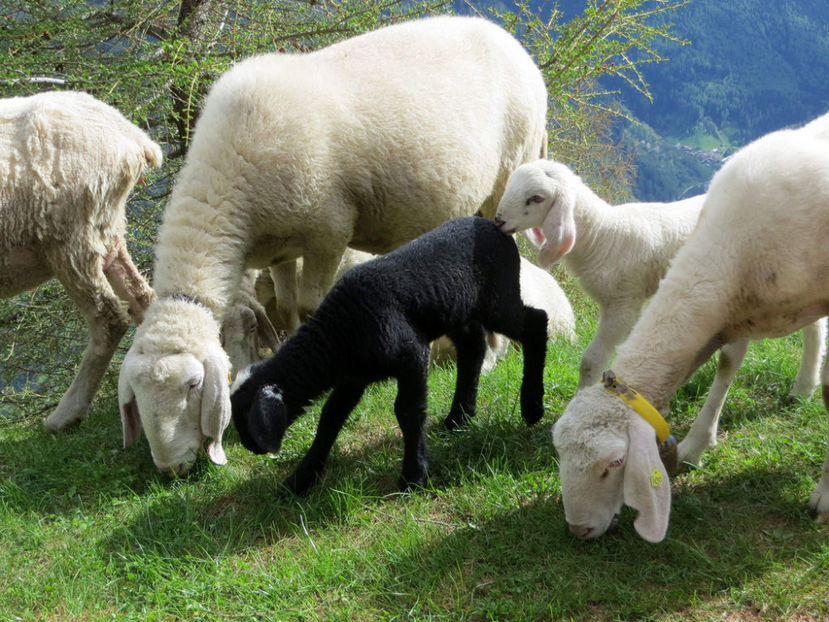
(155, 60)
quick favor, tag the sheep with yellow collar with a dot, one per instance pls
(738, 277)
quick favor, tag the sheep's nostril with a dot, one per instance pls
(580, 531)
(499, 222)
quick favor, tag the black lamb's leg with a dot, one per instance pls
(410, 410)
(339, 405)
(534, 346)
(470, 344)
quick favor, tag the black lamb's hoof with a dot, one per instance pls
(532, 415)
(409, 484)
(454, 421)
(299, 484)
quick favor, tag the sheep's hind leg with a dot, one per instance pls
(703, 432)
(339, 405)
(814, 350)
(534, 345)
(107, 322)
(410, 410)
(470, 344)
(819, 501)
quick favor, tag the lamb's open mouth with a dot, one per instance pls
(503, 226)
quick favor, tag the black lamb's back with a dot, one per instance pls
(455, 274)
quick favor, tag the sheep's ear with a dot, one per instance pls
(559, 227)
(130, 418)
(536, 236)
(646, 487)
(264, 328)
(215, 405)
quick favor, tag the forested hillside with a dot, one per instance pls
(749, 67)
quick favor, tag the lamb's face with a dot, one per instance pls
(259, 414)
(526, 200)
(540, 200)
(608, 456)
(592, 455)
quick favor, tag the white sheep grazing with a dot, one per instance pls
(67, 164)
(367, 143)
(745, 273)
(619, 253)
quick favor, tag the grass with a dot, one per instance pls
(90, 531)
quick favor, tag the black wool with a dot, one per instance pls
(377, 321)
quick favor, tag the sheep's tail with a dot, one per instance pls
(152, 154)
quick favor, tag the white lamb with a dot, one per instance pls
(619, 253)
(67, 164)
(367, 143)
(745, 273)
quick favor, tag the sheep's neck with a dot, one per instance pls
(591, 215)
(197, 257)
(305, 367)
(675, 334)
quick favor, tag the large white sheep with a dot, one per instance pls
(367, 143)
(619, 253)
(745, 273)
(67, 164)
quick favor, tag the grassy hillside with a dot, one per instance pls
(90, 531)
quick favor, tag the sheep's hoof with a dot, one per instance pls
(455, 420)
(58, 421)
(299, 484)
(819, 507)
(405, 484)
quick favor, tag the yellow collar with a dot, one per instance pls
(643, 407)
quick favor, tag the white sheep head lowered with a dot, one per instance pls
(608, 456)
(540, 200)
(174, 384)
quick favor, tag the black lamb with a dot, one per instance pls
(376, 323)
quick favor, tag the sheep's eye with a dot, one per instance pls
(195, 383)
(536, 198)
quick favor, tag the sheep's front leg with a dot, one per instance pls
(319, 265)
(106, 321)
(814, 350)
(470, 345)
(339, 405)
(703, 432)
(286, 315)
(410, 410)
(615, 323)
(819, 501)
(128, 283)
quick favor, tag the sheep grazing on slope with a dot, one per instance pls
(619, 253)
(68, 164)
(376, 323)
(745, 273)
(367, 143)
